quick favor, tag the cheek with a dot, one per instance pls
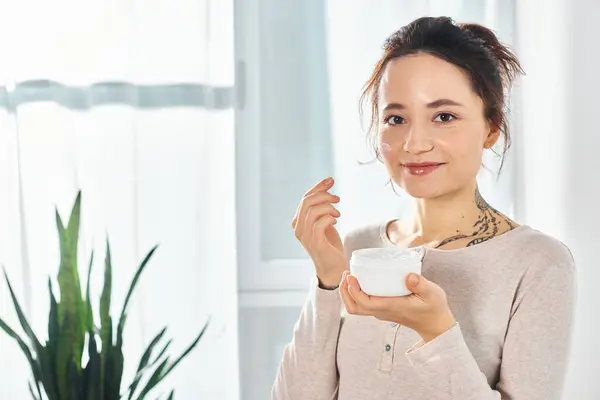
(384, 149)
(384, 145)
(466, 153)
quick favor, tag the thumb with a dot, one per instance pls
(418, 284)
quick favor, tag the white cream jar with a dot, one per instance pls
(383, 271)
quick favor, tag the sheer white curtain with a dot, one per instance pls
(131, 102)
(356, 31)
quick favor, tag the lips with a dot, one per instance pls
(421, 169)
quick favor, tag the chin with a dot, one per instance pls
(422, 191)
(422, 194)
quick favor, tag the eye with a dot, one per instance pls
(444, 117)
(394, 120)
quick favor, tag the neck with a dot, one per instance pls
(459, 213)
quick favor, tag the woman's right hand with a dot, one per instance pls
(314, 227)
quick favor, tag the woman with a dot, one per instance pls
(491, 315)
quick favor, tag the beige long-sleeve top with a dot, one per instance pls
(513, 298)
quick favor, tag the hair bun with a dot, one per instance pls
(508, 64)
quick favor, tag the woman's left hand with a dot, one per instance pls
(425, 311)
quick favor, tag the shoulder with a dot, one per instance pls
(538, 247)
(365, 236)
(546, 260)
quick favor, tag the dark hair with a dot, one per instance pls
(491, 66)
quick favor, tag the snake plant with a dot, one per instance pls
(57, 365)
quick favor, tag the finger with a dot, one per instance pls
(294, 221)
(347, 299)
(318, 237)
(362, 299)
(419, 286)
(369, 305)
(316, 212)
(322, 186)
(306, 204)
(344, 274)
(313, 215)
(310, 201)
(412, 282)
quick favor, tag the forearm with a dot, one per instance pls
(308, 367)
(451, 368)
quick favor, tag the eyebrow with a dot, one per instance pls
(434, 104)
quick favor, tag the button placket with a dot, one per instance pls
(386, 362)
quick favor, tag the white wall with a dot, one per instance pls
(557, 147)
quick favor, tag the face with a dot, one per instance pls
(432, 130)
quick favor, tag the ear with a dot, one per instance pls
(492, 137)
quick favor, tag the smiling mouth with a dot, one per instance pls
(421, 169)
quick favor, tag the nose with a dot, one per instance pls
(417, 140)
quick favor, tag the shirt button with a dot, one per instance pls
(388, 347)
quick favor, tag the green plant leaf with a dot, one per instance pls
(71, 302)
(115, 372)
(53, 324)
(89, 315)
(171, 395)
(37, 346)
(144, 362)
(105, 297)
(48, 373)
(73, 234)
(22, 319)
(134, 282)
(105, 339)
(162, 352)
(64, 355)
(33, 393)
(75, 382)
(91, 373)
(47, 354)
(155, 378)
(105, 321)
(151, 364)
(163, 371)
(71, 311)
(188, 350)
(35, 368)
